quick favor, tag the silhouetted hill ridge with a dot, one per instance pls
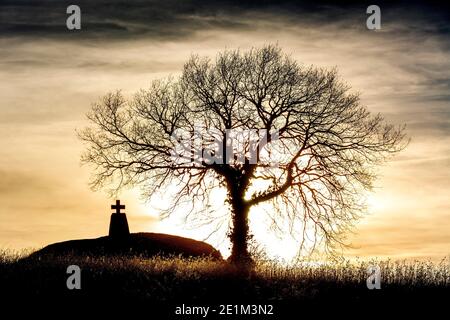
(136, 244)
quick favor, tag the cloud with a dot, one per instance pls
(405, 234)
(23, 183)
(171, 19)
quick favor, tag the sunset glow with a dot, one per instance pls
(50, 82)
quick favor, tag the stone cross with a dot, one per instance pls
(117, 207)
(118, 227)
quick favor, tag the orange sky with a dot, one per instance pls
(48, 85)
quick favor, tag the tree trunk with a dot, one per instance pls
(239, 234)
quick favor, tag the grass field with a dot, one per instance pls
(167, 282)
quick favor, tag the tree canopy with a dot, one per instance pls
(314, 153)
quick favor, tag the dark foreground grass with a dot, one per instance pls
(161, 284)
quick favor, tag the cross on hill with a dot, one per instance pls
(117, 207)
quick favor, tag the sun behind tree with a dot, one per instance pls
(326, 144)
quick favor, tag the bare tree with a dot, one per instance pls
(328, 144)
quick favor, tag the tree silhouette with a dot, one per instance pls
(326, 149)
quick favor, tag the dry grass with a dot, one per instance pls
(171, 280)
(405, 273)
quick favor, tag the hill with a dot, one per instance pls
(136, 244)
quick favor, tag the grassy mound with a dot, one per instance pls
(136, 244)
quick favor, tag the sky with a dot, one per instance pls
(50, 76)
